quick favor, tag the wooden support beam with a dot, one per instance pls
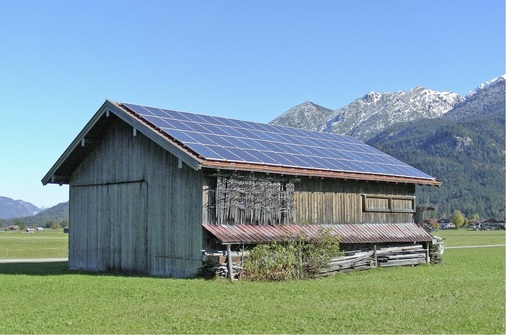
(229, 261)
(375, 257)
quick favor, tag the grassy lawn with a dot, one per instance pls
(48, 243)
(462, 237)
(464, 294)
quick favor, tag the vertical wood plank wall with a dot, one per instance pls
(327, 201)
(111, 237)
(132, 209)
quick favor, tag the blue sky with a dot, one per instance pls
(252, 60)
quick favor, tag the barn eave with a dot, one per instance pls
(314, 173)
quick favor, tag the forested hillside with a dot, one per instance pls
(467, 156)
(56, 216)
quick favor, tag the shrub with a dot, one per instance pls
(319, 253)
(273, 261)
(295, 258)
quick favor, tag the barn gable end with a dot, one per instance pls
(134, 208)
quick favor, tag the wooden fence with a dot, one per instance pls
(357, 260)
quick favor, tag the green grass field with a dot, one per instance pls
(464, 294)
(48, 243)
(461, 237)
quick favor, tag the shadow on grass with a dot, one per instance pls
(57, 268)
(36, 269)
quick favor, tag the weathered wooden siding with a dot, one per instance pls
(113, 236)
(325, 201)
(311, 201)
(133, 209)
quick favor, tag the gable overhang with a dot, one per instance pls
(92, 134)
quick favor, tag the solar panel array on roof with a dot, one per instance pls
(222, 139)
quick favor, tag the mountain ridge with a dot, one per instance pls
(43, 218)
(309, 113)
(478, 103)
(10, 208)
(364, 117)
(374, 111)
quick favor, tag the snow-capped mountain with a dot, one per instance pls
(307, 115)
(365, 117)
(370, 114)
(486, 99)
(10, 208)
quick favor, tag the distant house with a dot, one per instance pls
(151, 188)
(446, 224)
(492, 224)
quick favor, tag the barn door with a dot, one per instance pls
(125, 227)
(108, 226)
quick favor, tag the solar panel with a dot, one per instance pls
(204, 150)
(222, 139)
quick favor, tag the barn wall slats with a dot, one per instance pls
(133, 209)
(324, 201)
(311, 201)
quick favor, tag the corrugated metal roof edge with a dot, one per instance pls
(347, 233)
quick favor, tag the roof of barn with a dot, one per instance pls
(222, 143)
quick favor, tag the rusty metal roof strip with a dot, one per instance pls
(348, 233)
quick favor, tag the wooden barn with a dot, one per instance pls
(151, 188)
